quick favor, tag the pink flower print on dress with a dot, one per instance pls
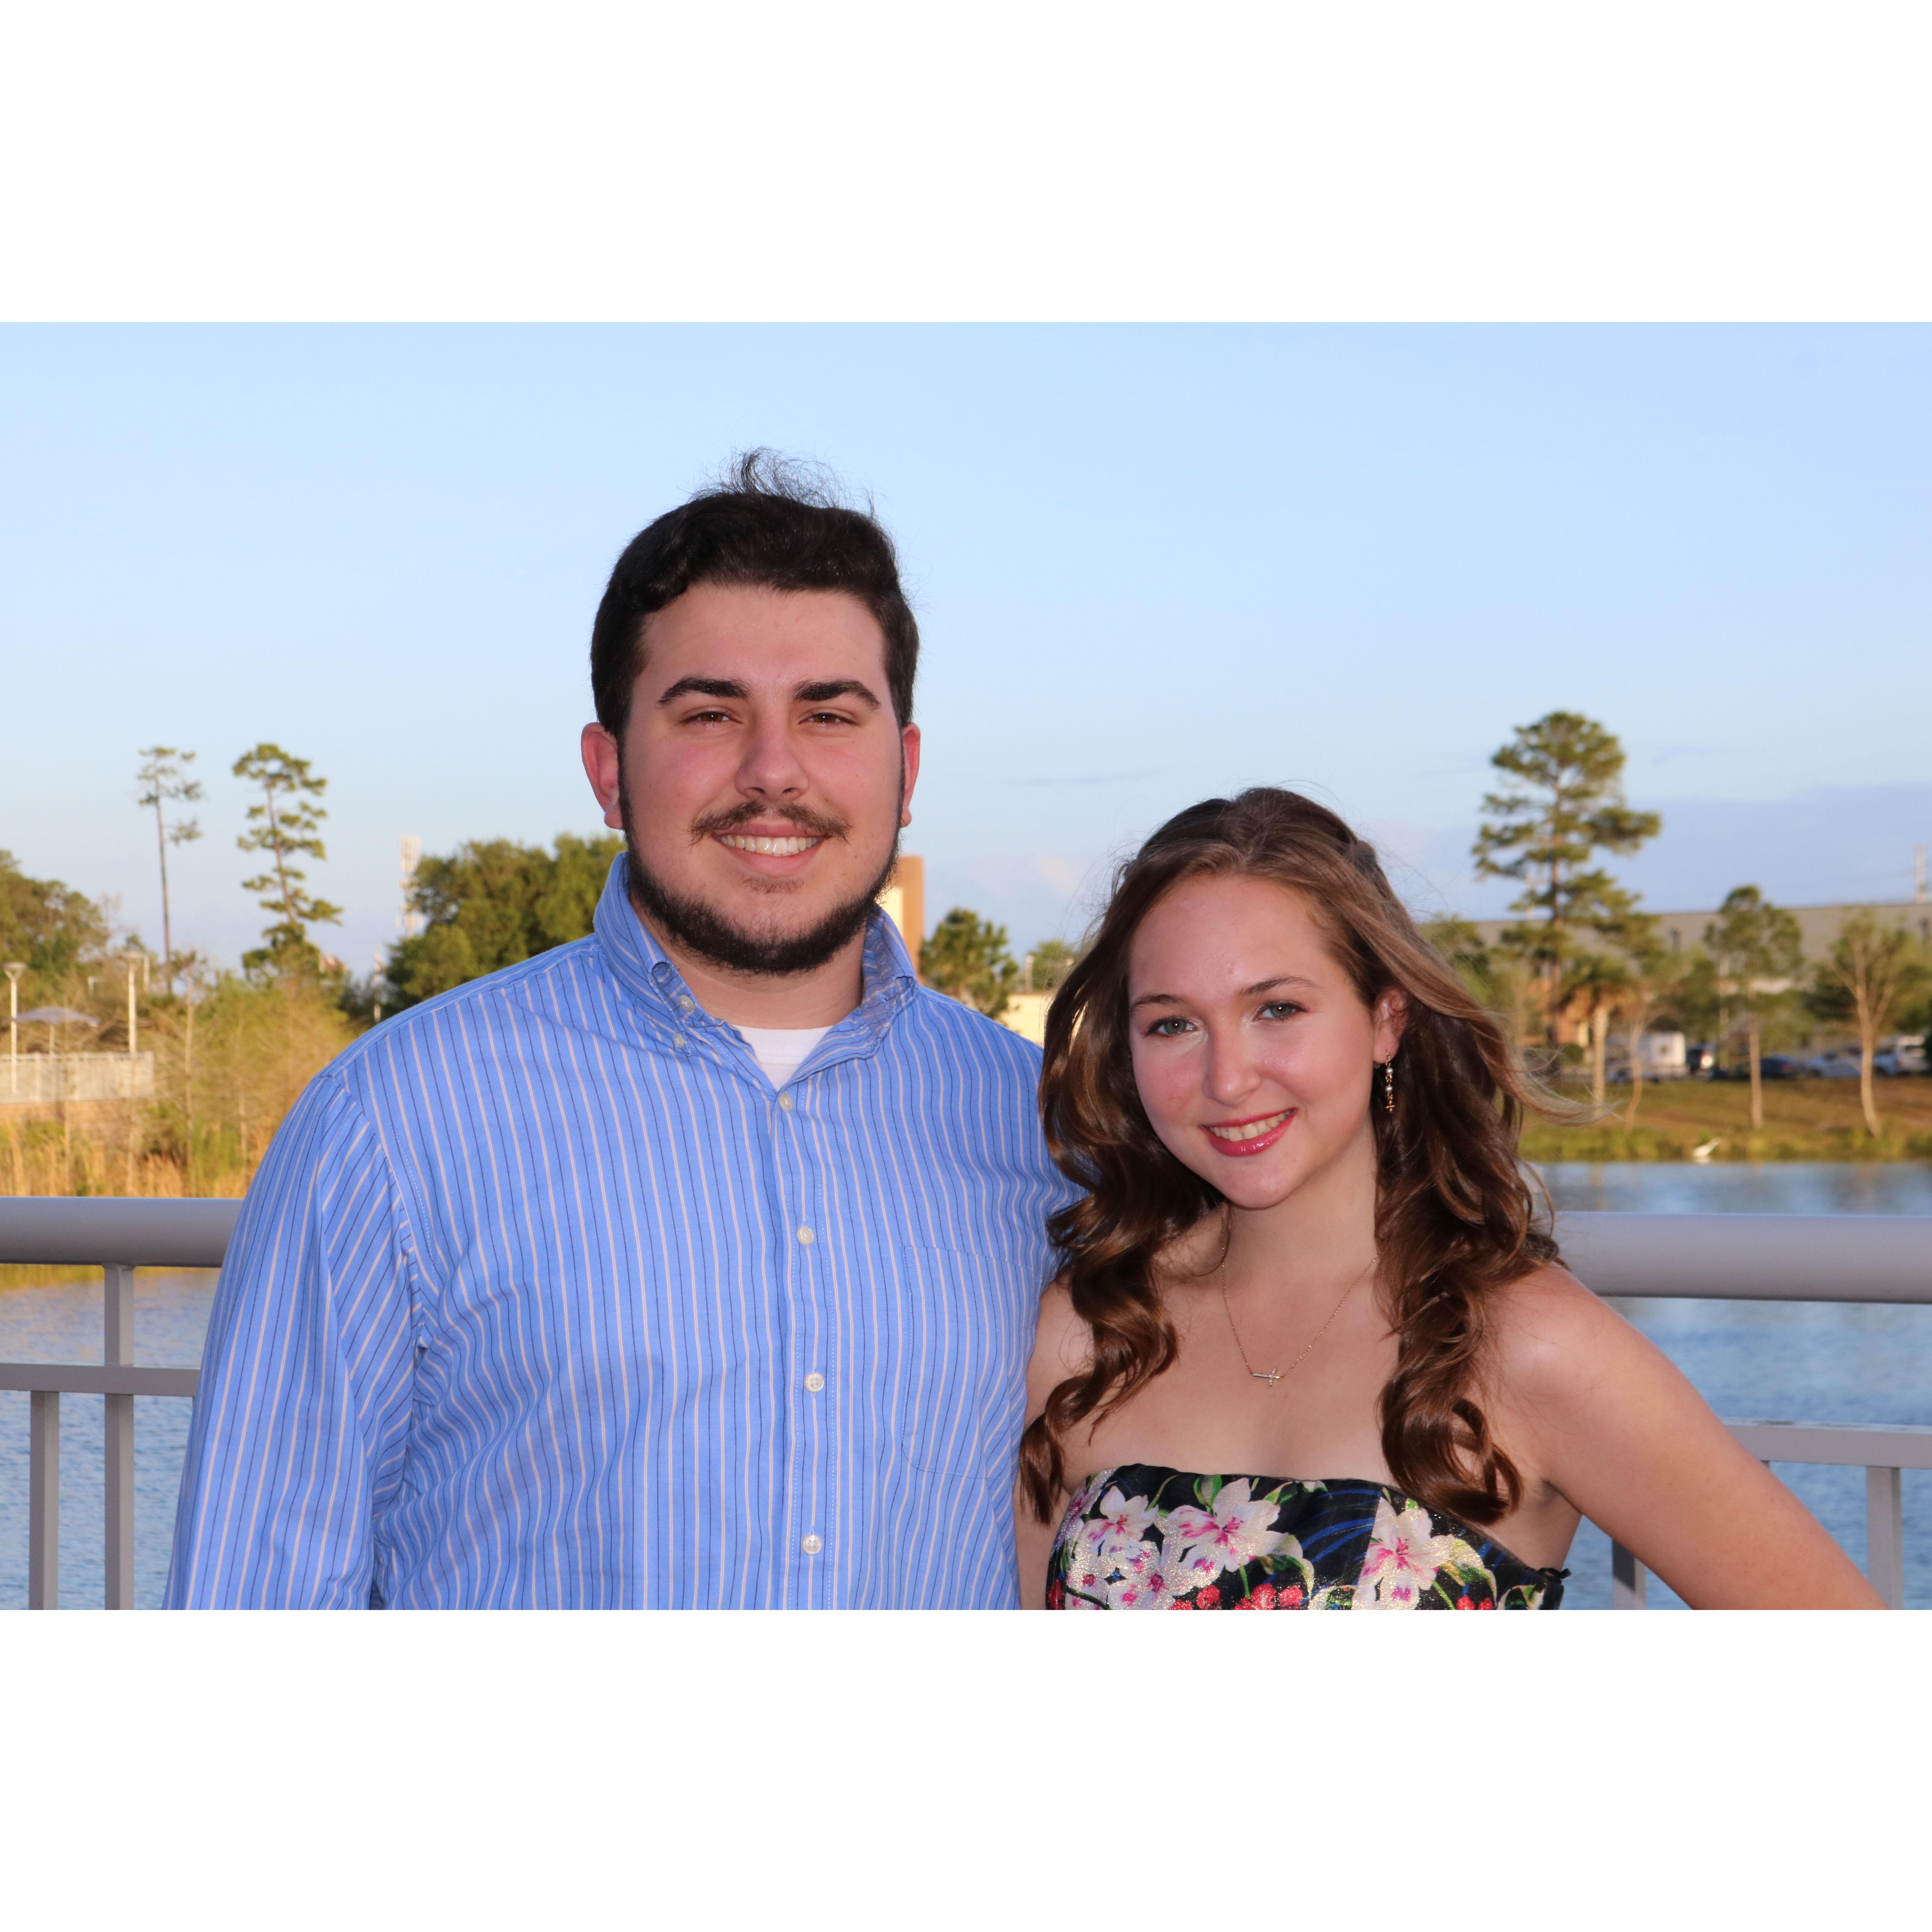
(1141, 1581)
(1402, 1558)
(1235, 1532)
(1116, 1529)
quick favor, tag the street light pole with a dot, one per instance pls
(15, 967)
(131, 961)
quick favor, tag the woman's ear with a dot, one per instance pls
(1391, 1019)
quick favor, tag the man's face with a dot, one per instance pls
(762, 777)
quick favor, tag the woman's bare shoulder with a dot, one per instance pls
(1552, 1339)
(1062, 1341)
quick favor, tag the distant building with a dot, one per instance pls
(903, 902)
(1026, 1015)
(1818, 926)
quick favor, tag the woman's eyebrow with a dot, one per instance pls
(1279, 980)
(1246, 993)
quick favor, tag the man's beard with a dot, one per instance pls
(705, 930)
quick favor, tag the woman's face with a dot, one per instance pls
(1253, 1052)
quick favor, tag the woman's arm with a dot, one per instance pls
(1060, 1346)
(1603, 1416)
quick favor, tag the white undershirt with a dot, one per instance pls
(782, 1051)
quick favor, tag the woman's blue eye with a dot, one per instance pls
(1159, 1030)
(1279, 1010)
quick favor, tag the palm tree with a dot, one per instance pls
(1596, 985)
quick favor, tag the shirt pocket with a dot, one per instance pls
(958, 1363)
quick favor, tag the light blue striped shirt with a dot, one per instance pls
(543, 1296)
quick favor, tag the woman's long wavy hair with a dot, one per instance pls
(1455, 1218)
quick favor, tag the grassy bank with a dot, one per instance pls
(1804, 1119)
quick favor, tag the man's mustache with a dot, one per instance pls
(812, 824)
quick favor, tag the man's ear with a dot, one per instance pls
(909, 752)
(602, 766)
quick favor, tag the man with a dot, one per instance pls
(695, 1263)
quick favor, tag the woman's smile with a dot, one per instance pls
(1243, 1138)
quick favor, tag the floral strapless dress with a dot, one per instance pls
(1141, 1537)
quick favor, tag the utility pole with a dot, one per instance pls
(15, 967)
(409, 921)
(131, 962)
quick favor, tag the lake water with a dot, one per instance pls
(1806, 1361)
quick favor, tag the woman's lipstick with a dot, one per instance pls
(1241, 1139)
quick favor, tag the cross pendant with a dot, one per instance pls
(1271, 1376)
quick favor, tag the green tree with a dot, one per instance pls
(1871, 972)
(1694, 1001)
(1496, 978)
(1757, 947)
(493, 903)
(1654, 972)
(967, 957)
(1595, 986)
(1050, 961)
(164, 772)
(287, 824)
(50, 926)
(1566, 805)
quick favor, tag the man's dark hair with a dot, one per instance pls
(772, 523)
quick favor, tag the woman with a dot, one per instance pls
(1311, 1349)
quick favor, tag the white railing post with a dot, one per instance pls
(44, 1501)
(1628, 1578)
(1884, 1535)
(118, 1348)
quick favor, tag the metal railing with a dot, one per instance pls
(1705, 1257)
(1862, 1257)
(116, 1237)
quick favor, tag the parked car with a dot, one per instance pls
(1780, 1067)
(1700, 1059)
(1903, 1053)
(1843, 1065)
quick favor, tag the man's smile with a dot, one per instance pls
(772, 847)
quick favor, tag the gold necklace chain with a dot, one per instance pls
(1271, 1376)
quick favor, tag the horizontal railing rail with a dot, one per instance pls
(115, 1236)
(1841, 1258)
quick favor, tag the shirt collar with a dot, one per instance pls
(642, 968)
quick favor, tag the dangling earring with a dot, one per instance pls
(1388, 1085)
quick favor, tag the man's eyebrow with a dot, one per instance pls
(704, 687)
(839, 687)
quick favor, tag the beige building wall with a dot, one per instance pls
(903, 902)
(1026, 1015)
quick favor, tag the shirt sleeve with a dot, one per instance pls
(301, 1424)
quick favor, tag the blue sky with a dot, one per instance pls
(1150, 562)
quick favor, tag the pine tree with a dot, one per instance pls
(1566, 806)
(165, 775)
(286, 824)
(967, 957)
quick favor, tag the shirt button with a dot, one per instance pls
(805, 1236)
(811, 1545)
(814, 1381)
(677, 1039)
(784, 1102)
